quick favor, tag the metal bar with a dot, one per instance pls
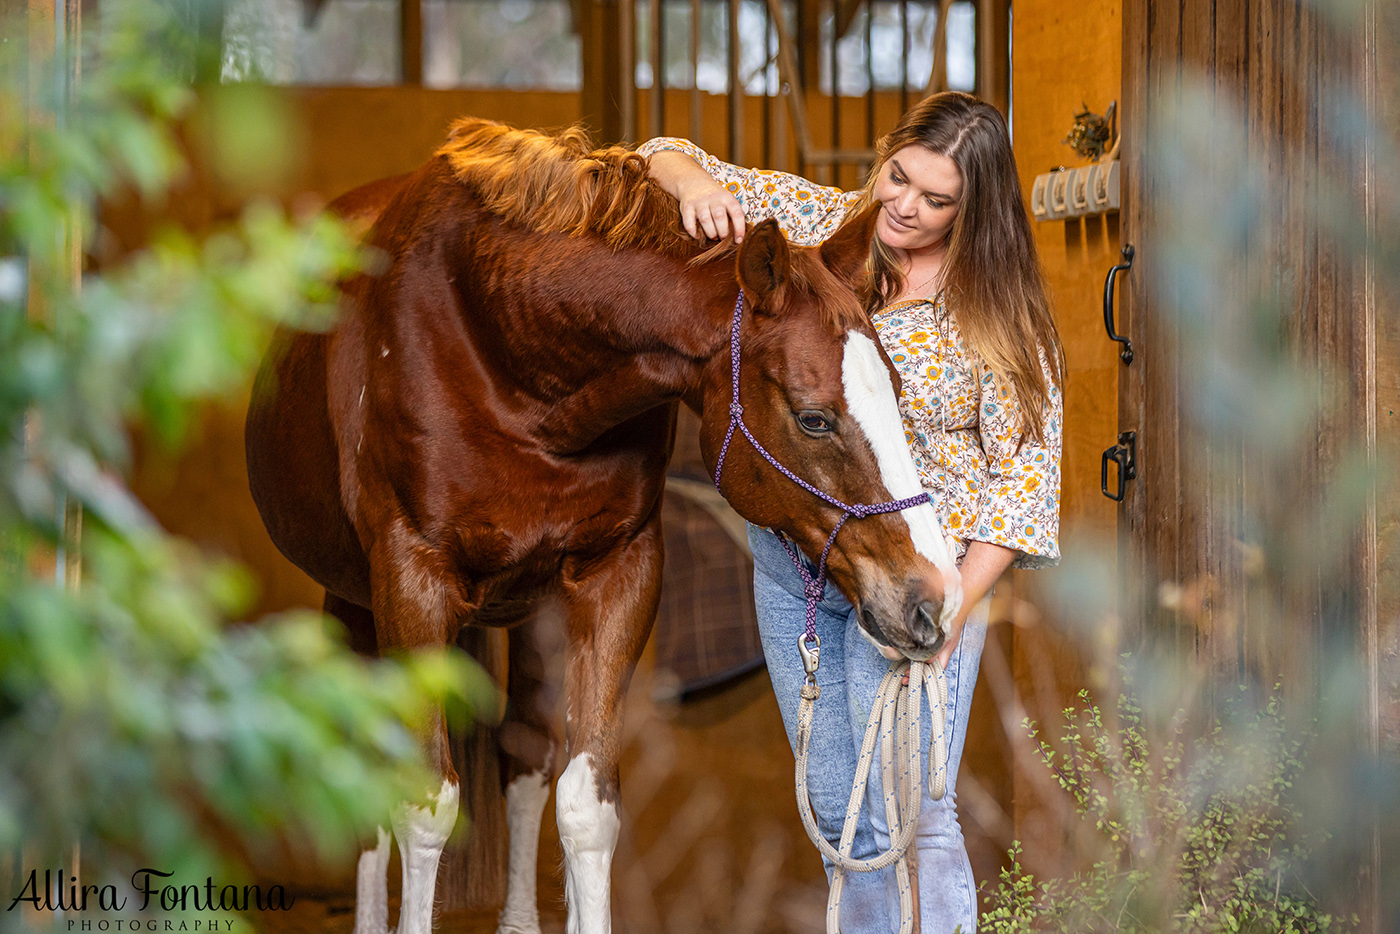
(411, 42)
(903, 57)
(627, 68)
(833, 178)
(993, 31)
(657, 115)
(768, 100)
(736, 88)
(938, 74)
(780, 125)
(696, 117)
(869, 83)
(787, 71)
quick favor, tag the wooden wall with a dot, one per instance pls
(1295, 81)
(1064, 57)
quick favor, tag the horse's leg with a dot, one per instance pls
(372, 873)
(411, 612)
(527, 766)
(611, 611)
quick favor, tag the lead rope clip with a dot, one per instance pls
(811, 657)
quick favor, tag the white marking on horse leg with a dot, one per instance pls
(871, 401)
(525, 800)
(372, 889)
(588, 829)
(422, 833)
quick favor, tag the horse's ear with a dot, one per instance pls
(763, 263)
(846, 251)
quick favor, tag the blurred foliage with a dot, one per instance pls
(134, 720)
(1197, 828)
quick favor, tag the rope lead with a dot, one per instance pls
(894, 720)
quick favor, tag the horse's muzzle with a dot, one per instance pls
(912, 630)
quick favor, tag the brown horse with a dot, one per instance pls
(486, 431)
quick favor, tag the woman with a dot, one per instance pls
(955, 291)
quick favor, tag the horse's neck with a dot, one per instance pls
(622, 333)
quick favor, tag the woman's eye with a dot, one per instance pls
(813, 422)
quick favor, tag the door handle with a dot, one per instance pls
(1124, 266)
(1124, 454)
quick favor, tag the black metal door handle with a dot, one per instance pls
(1124, 454)
(1124, 266)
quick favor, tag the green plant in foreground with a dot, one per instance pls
(1195, 831)
(137, 719)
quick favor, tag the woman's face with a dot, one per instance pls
(920, 192)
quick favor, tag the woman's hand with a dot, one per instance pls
(708, 209)
(982, 567)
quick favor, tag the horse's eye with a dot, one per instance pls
(812, 422)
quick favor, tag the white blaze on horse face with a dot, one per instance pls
(588, 830)
(422, 833)
(372, 889)
(525, 800)
(870, 399)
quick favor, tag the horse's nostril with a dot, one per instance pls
(924, 625)
(873, 627)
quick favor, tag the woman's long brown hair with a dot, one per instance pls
(991, 278)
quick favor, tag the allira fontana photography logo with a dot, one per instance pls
(151, 891)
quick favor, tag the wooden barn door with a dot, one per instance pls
(1275, 65)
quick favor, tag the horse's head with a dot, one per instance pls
(819, 393)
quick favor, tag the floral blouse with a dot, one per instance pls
(963, 428)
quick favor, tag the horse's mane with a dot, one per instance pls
(558, 183)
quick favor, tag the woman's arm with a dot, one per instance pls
(982, 567)
(726, 198)
(707, 207)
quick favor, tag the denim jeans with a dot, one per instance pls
(849, 675)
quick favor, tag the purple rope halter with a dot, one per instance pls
(812, 587)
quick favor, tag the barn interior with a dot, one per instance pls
(349, 91)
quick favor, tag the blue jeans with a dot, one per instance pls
(849, 676)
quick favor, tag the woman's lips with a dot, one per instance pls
(897, 225)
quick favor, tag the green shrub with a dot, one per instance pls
(1192, 830)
